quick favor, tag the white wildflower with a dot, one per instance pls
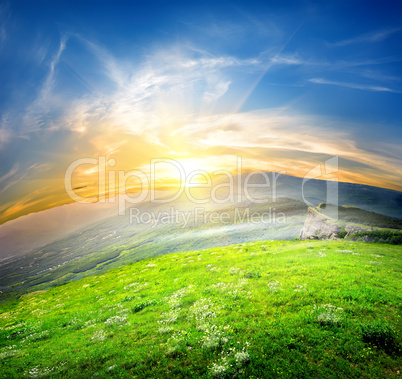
(220, 370)
(37, 372)
(99, 335)
(274, 286)
(8, 351)
(242, 357)
(116, 320)
(328, 314)
(234, 271)
(300, 288)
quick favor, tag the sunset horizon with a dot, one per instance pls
(200, 189)
(284, 88)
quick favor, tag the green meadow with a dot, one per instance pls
(273, 309)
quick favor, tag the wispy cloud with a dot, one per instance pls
(378, 75)
(277, 57)
(375, 36)
(9, 174)
(39, 114)
(270, 130)
(18, 174)
(146, 97)
(353, 85)
(176, 102)
(28, 202)
(286, 60)
(5, 131)
(49, 82)
(293, 143)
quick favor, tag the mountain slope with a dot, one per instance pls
(373, 199)
(296, 309)
(38, 229)
(150, 229)
(330, 222)
(115, 241)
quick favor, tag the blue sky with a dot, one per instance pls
(285, 85)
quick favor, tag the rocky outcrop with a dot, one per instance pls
(353, 229)
(319, 226)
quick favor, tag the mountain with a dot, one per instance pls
(40, 228)
(330, 222)
(257, 212)
(314, 191)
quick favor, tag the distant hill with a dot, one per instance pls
(373, 199)
(41, 228)
(268, 213)
(332, 222)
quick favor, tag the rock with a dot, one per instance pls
(319, 226)
(353, 229)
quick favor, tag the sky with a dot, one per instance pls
(285, 85)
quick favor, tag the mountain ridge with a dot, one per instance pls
(23, 238)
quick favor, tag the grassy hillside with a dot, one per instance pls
(347, 214)
(285, 193)
(115, 242)
(332, 222)
(313, 309)
(373, 199)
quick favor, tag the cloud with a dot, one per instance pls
(269, 130)
(155, 100)
(277, 140)
(5, 131)
(27, 202)
(286, 60)
(379, 76)
(172, 103)
(19, 174)
(372, 37)
(216, 90)
(363, 87)
(49, 82)
(148, 97)
(40, 114)
(9, 174)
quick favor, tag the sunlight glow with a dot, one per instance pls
(197, 102)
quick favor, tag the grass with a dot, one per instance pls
(348, 214)
(291, 309)
(114, 242)
(382, 236)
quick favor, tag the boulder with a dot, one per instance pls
(319, 226)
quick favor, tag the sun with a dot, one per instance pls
(195, 171)
(191, 166)
(187, 172)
